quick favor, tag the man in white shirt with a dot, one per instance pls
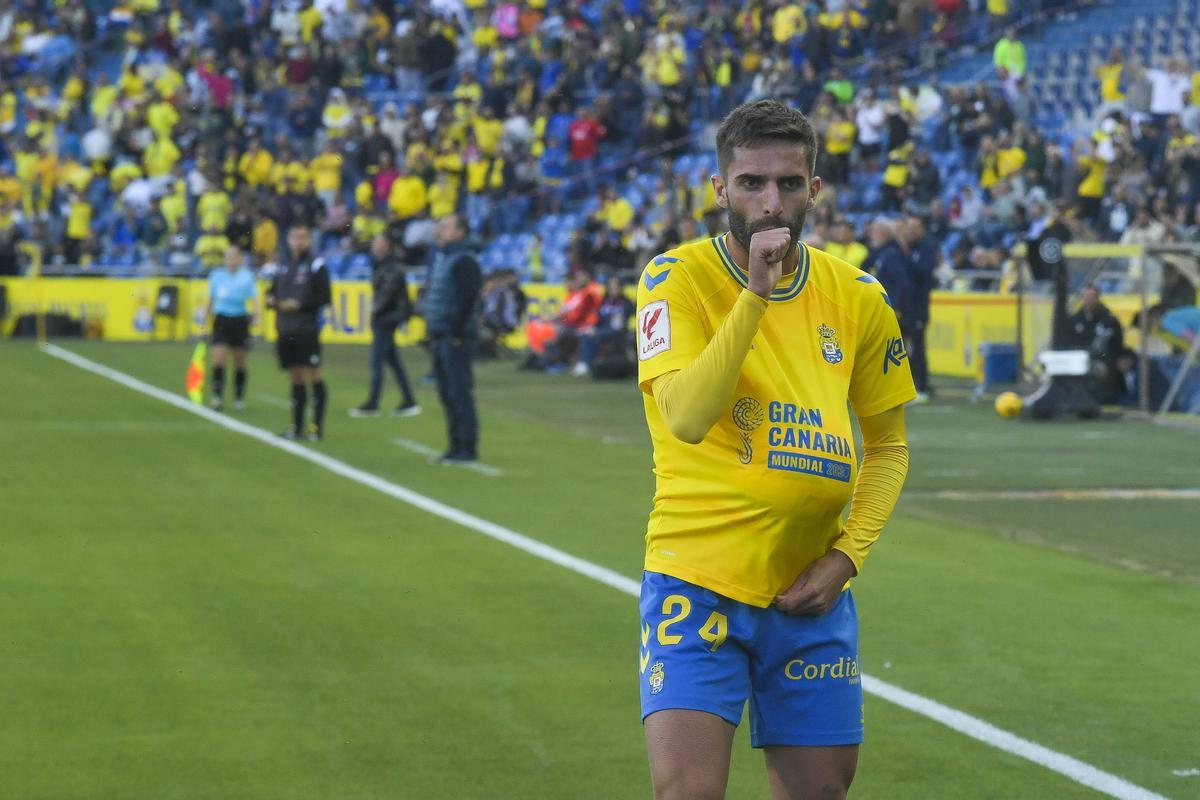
(870, 120)
(1169, 88)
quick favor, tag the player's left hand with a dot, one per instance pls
(818, 587)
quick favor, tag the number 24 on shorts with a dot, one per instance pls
(676, 608)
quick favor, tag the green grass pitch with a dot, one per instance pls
(187, 613)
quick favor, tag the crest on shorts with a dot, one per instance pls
(657, 677)
(830, 348)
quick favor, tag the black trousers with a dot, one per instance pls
(383, 351)
(917, 356)
(456, 387)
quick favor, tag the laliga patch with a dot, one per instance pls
(654, 330)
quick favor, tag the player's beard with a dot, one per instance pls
(742, 229)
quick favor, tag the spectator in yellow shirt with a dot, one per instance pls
(131, 84)
(174, 206)
(468, 91)
(365, 226)
(160, 158)
(168, 81)
(895, 176)
(488, 131)
(1010, 157)
(123, 174)
(162, 118)
(408, 196)
(843, 245)
(839, 141)
(989, 174)
(25, 160)
(79, 228)
(74, 175)
(1091, 187)
(1109, 74)
(10, 187)
(326, 170)
(615, 212)
(337, 115)
(787, 23)
(264, 240)
(210, 248)
(443, 197)
(104, 95)
(46, 170)
(310, 21)
(255, 164)
(8, 112)
(213, 209)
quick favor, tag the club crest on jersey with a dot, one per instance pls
(657, 677)
(748, 416)
(830, 348)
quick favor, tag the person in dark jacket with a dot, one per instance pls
(1096, 329)
(923, 261)
(299, 290)
(889, 264)
(390, 308)
(451, 309)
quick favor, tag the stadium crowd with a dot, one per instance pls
(152, 134)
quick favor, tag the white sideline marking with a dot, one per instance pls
(1073, 768)
(424, 450)
(1076, 770)
(1064, 494)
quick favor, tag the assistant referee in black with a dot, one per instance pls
(299, 290)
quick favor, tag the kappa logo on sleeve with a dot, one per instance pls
(654, 330)
(893, 354)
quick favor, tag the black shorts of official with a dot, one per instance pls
(231, 331)
(301, 349)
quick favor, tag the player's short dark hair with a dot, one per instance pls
(763, 122)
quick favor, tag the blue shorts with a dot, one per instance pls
(705, 652)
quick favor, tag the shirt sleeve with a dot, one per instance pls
(321, 293)
(881, 379)
(692, 399)
(884, 467)
(670, 326)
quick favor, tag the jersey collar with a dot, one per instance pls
(799, 278)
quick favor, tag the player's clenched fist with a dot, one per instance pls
(767, 251)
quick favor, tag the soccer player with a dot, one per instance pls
(298, 292)
(230, 289)
(750, 344)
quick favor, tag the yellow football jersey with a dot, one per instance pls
(744, 512)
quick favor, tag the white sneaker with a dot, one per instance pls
(921, 399)
(406, 411)
(580, 370)
(216, 404)
(239, 405)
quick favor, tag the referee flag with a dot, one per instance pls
(195, 373)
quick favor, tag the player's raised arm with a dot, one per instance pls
(692, 397)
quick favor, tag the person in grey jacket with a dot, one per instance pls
(451, 310)
(390, 308)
